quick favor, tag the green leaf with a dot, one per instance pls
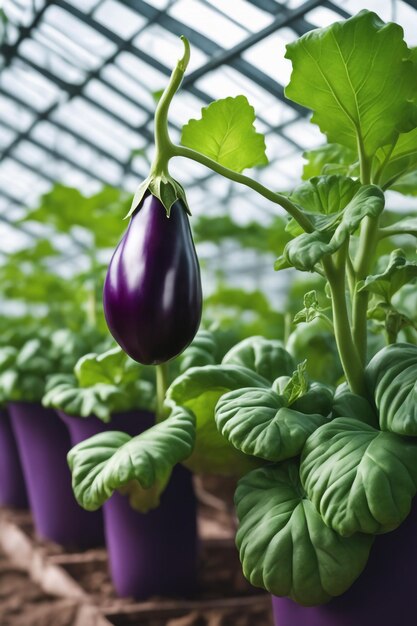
(201, 352)
(398, 273)
(306, 250)
(331, 158)
(407, 226)
(267, 357)
(259, 423)
(284, 545)
(101, 400)
(112, 367)
(297, 385)
(406, 184)
(348, 404)
(226, 133)
(312, 310)
(360, 479)
(101, 214)
(315, 342)
(139, 467)
(199, 389)
(392, 380)
(347, 74)
(323, 195)
(398, 161)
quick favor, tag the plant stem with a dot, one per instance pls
(351, 363)
(367, 244)
(161, 388)
(277, 198)
(163, 144)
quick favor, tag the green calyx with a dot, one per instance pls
(165, 188)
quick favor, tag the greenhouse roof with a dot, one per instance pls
(80, 79)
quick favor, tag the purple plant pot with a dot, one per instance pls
(383, 595)
(43, 444)
(153, 553)
(12, 484)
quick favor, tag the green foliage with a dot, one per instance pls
(260, 423)
(23, 374)
(267, 357)
(359, 478)
(263, 238)
(284, 544)
(102, 385)
(392, 382)
(100, 214)
(226, 133)
(139, 467)
(332, 158)
(351, 96)
(306, 250)
(348, 404)
(198, 390)
(315, 343)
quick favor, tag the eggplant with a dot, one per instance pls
(152, 293)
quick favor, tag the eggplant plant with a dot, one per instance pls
(323, 468)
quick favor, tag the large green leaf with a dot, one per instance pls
(360, 479)
(392, 380)
(356, 77)
(332, 158)
(267, 357)
(257, 422)
(201, 352)
(112, 367)
(226, 133)
(138, 466)
(199, 389)
(325, 194)
(285, 547)
(348, 404)
(306, 250)
(398, 273)
(398, 161)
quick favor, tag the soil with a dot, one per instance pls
(224, 598)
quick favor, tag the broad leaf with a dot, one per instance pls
(360, 479)
(258, 422)
(322, 195)
(392, 381)
(199, 389)
(356, 78)
(101, 400)
(401, 160)
(398, 273)
(285, 547)
(201, 352)
(111, 367)
(138, 466)
(226, 133)
(331, 158)
(267, 357)
(306, 250)
(348, 404)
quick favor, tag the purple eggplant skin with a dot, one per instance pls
(152, 293)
